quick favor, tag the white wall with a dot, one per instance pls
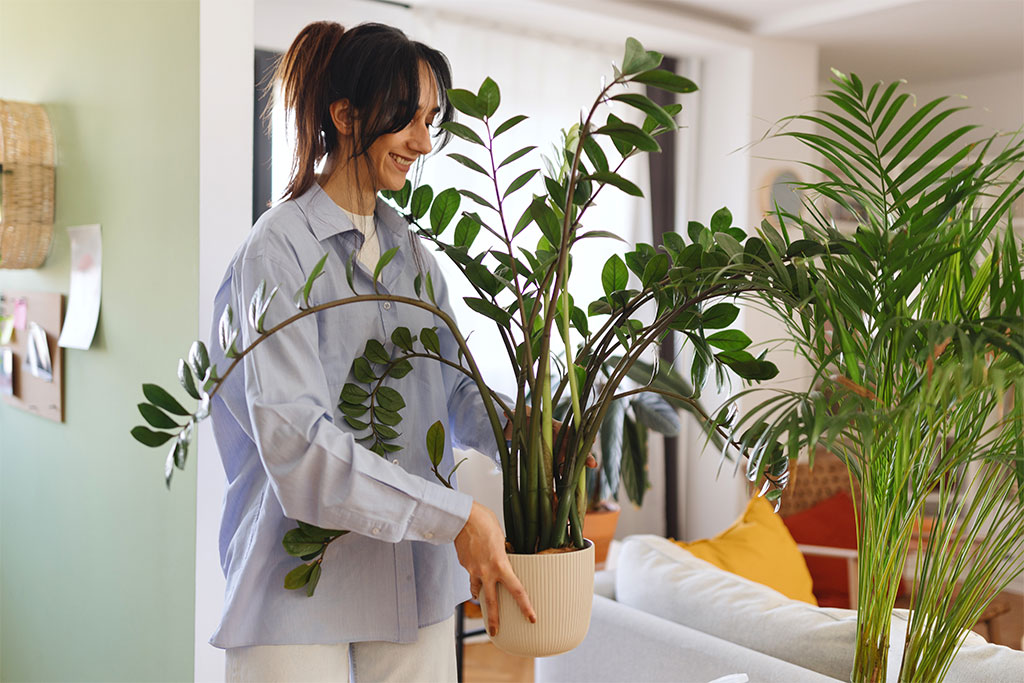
(225, 214)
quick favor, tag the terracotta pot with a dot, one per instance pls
(599, 526)
(561, 589)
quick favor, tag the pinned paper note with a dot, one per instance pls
(37, 360)
(84, 294)
(6, 331)
(20, 314)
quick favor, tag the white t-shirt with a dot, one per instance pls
(370, 253)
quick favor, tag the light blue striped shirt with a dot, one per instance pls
(288, 454)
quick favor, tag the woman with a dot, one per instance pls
(367, 101)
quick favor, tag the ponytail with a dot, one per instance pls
(302, 75)
(373, 66)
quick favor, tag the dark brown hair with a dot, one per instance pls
(373, 66)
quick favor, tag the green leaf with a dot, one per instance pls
(350, 265)
(444, 208)
(720, 315)
(626, 135)
(435, 443)
(464, 132)
(656, 413)
(362, 371)
(186, 379)
(655, 270)
(317, 271)
(721, 220)
(355, 410)
(158, 396)
(385, 259)
(488, 97)
(638, 59)
(402, 196)
(199, 359)
(430, 340)
(614, 276)
(421, 199)
(400, 369)
(402, 338)
(466, 102)
(665, 80)
(298, 577)
(486, 308)
(545, 217)
(595, 153)
(519, 182)
(466, 231)
(729, 340)
(296, 543)
(517, 154)
(477, 198)
(468, 163)
(386, 417)
(618, 181)
(514, 121)
(385, 432)
(147, 437)
(375, 352)
(353, 393)
(390, 399)
(355, 423)
(156, 417)
(748, 367)
(649, 107)
(314, 579)
(430, 288)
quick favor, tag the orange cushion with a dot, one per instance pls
(758, 547)
(830, 523)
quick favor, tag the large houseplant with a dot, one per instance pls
(915, 330)
(556, 347)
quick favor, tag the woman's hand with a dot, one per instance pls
(555, 427)
(481, 550)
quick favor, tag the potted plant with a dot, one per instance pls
(914, 326)
(558, 349)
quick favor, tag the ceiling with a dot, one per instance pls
(919, 40)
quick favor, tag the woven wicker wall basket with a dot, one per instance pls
(26, 185)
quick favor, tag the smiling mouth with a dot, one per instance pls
(402, 163)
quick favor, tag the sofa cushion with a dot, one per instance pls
(831, 523)
(760, 548)
(657, 576)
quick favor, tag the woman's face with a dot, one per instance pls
(392, 155)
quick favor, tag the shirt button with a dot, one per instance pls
(376, 531)
(429, 534)
(387, 305)
(395, 461)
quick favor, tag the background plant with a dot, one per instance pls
(687, 286)
(915, 329)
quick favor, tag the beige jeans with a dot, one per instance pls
(431, 659)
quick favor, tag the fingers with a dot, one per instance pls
(491, 600)
(591, 461)
(518, 593)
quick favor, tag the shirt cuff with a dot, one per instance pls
(439, 515)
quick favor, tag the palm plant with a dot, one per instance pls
(915, 330)
(556, 349)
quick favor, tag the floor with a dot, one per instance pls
(485, 663)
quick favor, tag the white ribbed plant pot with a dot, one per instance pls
(561, 589)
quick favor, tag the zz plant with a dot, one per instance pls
(557, 349)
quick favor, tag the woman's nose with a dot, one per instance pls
(421, 141)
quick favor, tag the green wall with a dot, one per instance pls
(97, 558)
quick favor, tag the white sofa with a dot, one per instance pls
(664, 615)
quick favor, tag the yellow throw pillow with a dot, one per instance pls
(758, 547)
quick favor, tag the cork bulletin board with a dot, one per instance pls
(33, 394)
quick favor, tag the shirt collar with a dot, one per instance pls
(327, 218)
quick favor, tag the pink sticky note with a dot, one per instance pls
(20, 314)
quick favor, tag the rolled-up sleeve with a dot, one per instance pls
(318, 471)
